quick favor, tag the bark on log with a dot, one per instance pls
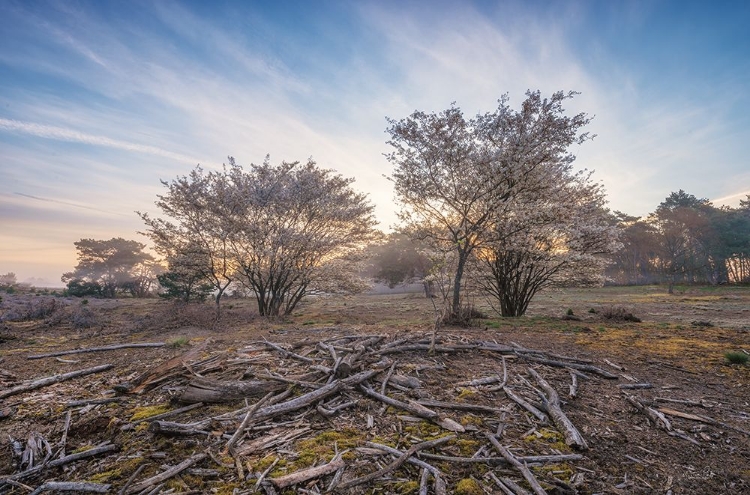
(43, 382)
(212, 391)
(572, 436)
(97, 349)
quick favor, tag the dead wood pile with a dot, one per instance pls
(344, 415)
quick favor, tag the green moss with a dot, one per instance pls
(406, 487)
(468, 486)
(465, 393)
(325, 445)
(425, 430)
(106, 476)
(550, 438)
(148, 411)
(467, 447)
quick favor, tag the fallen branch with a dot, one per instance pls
(701, 419)
(576, 366)
(31, 473)
(523, 403)
(308, 474)
(71, 486)
(527, 474)
(552, 403)
(43, 382)
(416, 409)
(440, 488)
(169, 473)
(96, 349)
(657, 417)
(397, 463)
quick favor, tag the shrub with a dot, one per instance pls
(734, 357)
(619, 313)
(83, 317)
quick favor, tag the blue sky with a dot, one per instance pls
(101, 100)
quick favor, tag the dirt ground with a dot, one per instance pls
(679, 349)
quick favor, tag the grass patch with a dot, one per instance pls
(734, 357)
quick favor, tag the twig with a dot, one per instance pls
(64, 438)
(523, 403)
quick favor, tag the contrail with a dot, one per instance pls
(731, 196)
(48, 200)
(63, 134)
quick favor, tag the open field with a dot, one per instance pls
(678, 350)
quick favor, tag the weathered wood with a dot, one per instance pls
(573, 391)
(523, 403)
(97, 349)
(529, 459)
(213, 391)
(50, 380)
(308, 474)
(552, 402)
(527, 474)
(169, 473)
(701, 419)
(289, 354)
(440, 487)
(71, 486)
(241, 429)
(576, 366)
(158, 373)
(169, 428)
(397, 463)
(459, 406)
(416, 409)
(33, 472)
(657, 417)
(634, 386)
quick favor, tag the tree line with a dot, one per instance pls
(489, 206)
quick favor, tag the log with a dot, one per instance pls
(308, 474)
(44, 382)
(169, 428)
(212, 391)
(552, 402)
(527, 474)
(312, 397)
(97, 349)
(529, 459)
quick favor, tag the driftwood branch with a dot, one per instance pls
(308, 474)
(97, 349)
(71, 486)
(416, 409)
(44, 382)
(527, 474)
(397, 463)
(169, 473)
(572, 436)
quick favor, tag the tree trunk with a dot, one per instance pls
(456, 303)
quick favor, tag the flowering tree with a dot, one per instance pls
(296, 229)
(557, 236)
(456, 179)
(281, 231)
(194, 232)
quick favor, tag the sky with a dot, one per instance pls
(102, 100)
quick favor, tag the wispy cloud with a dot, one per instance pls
(71, 135)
